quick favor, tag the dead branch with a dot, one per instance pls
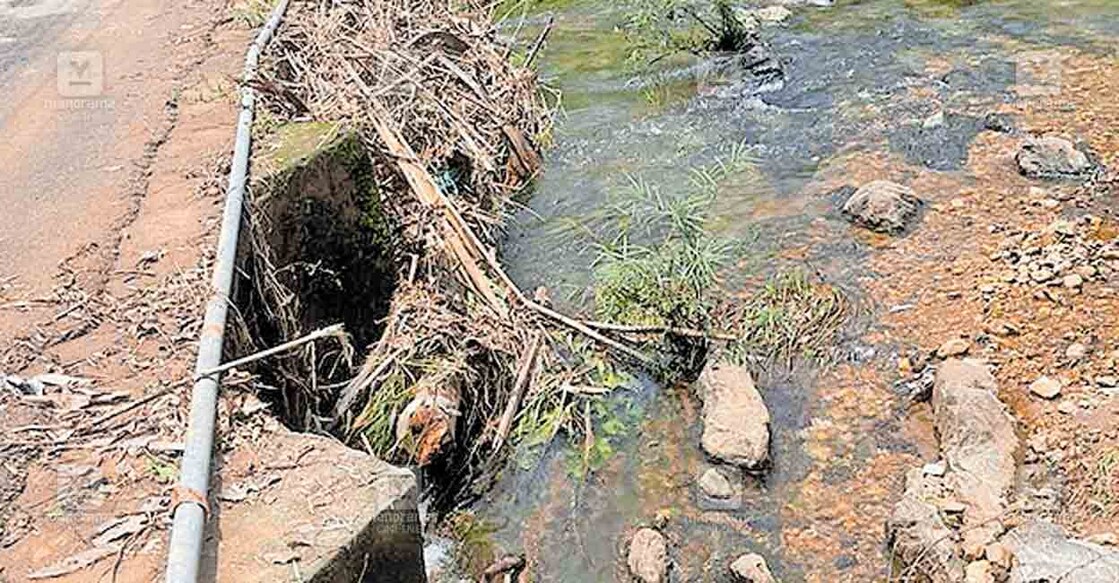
(524, 376)
(336, 331)
(688, 332)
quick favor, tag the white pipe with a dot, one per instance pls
(184, 552)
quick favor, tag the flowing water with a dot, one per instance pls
(911, 82)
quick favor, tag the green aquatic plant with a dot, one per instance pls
(657, 29)
(790, 316)
(476, 548)
(572, 401)
(660, 263)
(605, 423)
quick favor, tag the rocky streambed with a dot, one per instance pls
(950, 168)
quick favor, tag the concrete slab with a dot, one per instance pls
(298, 507)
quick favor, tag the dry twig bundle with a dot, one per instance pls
(451, 125)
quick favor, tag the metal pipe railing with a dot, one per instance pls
(190, 507)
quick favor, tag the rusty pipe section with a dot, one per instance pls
(189, 501)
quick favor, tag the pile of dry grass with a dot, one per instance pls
(453, 128)
(433, 72)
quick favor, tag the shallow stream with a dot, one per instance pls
(913, 82)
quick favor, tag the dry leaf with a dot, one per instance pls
(74, 563)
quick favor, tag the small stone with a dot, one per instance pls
(715, 485)
(1002, 328)
(934, 469)
(1042, 275)
(1050, 156)
(648, 556)
(773, 14)
(661, 518)
(988, 288)
(1104, 538)
(1076, 351)
(998, 555)
(933, 121)
(1107, 380)
(953, 347)
(1049, 203)
(1063, 227)
(751, 568)
(1046, 387)
(905, 366)
(979, 572)
(973, 547)
(1066, 407)
(1073, 281)
(1086, 271)
(953, 507)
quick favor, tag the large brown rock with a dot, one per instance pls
(1050, 156)
(882, 206)
(735, 419)
(977, 440)
(978, 444)
(648, 556)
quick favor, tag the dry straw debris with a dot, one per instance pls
(453, 126)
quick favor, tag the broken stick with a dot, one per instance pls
(524, 375)
(336, 330)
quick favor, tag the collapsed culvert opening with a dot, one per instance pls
(420, 371)
(315, 252)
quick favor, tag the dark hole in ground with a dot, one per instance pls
(315, 252)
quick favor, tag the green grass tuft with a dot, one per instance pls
(789, 317)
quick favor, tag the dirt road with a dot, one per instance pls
(115, 118)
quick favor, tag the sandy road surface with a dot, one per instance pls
(114, 117)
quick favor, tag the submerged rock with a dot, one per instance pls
(751, 568)
(735, 419)
(977, 440)
(882, 206)
(1042, 552)
(648, 556)
(716, 485)
(1050, 156)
